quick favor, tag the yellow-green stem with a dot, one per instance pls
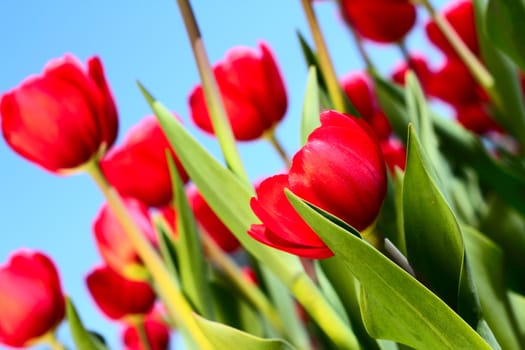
(219, 118)
(143, 336)
(167, 288)
(334, 90)
(51, 340)
(323, 314)
(232, 271)
(270, 136)
(480, 73)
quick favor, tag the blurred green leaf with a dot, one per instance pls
(311, 107)
(224, 337)
(397, 306)
(192, 267)
(486, 261)
(81, 337)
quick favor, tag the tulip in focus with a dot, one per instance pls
(63, 118)
(113, 243)
(340, 169)
(382, 21)
(138, 167)
(117, 296)
(252, 91)
(31, 299)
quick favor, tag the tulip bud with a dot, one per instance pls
(340, 169)
(112, 241)
(252, 91)
(31, 299)
(157, 334)
(460, 15)
(117, 296)
(383, 21)
(63, 118)
(138, 168)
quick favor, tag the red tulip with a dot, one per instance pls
(211, 223)
(138, 168)
(113, 243)
(252, 90)
(341, 170)
(383, 21)
(117, 296)
(418, 64)
(282, 227)
(454, 84)
(476, 118)
(157, 333)
(460, 15)
(31, 299)
(63, 118)
(394, 153)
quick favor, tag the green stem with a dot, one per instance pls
(270, 136)
(406, 56)
(250, 291)
(480, 73)
(143, 336)
(219, 117)
(362, 51)
(334, 90)
(167, 288)
(330, 322)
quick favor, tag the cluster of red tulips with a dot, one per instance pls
(386, 239)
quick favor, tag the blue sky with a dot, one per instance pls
(142, 40)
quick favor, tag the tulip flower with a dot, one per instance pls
(252, 91)
(211, 223)
(63, 118)
(157, 334)
(460, 15)
(117, 296)
(394, 153)
(138, 167)
(113, 243)
(31, 299)
(476, 118)
(416, 63)
(340, 169)
(382, 21)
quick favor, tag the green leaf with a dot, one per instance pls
(81, 337)
(510, 111)
(224, 337)
(404, 311)
(433, 237)
(311, 107)
(487, 266)
(192, 267)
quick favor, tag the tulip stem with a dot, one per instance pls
(324, 315)
(406, 56)
(167, 287)
(270, 136)
(218, 115)
(249, 290)
(143, 336)
(51, 340)
(362, 51)
(327, 68)
(480, 73)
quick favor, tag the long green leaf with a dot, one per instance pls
(81, 337)
(405, 311)
(311, 106)
(224, 337)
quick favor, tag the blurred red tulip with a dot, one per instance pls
(282, 227)
(476, 118)
(252, 90)
(138, 167)
(63, 118)
(454, 84)
(341, 170)
(117, 296)
(394, 153)
(460, 15)
(113, 243)
(416, 63)
(383, 21)
(31, 299)
(157, 334)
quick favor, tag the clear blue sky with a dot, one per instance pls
(142, 40)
